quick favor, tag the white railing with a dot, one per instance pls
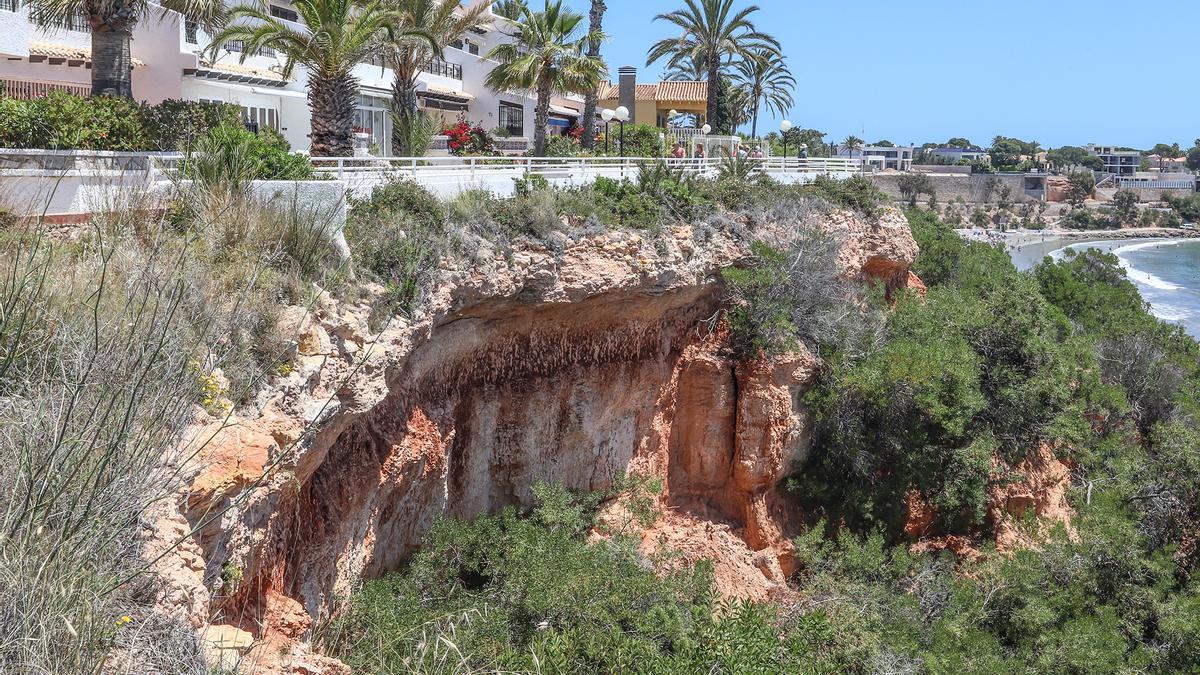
(448, 176)
(343, 167)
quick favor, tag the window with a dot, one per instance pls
(284, 13)
(260, 118)
(266, 51)
(457, 44)
(512, 119)
(235, 46)
(472, 48)
(10, 5)
(373, 116)
(189, 32)
(444, 68)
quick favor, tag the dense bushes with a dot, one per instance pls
(531, 594)
(790, 297)
(232, 156)
(61, 121)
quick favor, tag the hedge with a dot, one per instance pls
(62, 121)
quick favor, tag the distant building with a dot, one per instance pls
(879, 157)
(1117, 161)
(1167, 164)
(955, 155)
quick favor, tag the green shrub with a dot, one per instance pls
(177, 125)
(641, 140)
(856, 193)
(65, 121)
(792, 297)
(397, 237)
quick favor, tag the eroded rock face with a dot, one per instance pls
(576, 366)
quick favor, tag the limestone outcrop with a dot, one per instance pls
(578, 364)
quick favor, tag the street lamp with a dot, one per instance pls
(784, 127)
(622, 115)
(671, 115)
(606, 115)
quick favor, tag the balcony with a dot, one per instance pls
(444, 68)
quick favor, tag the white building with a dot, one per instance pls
(171, 62)
(880, 157)
(954, 155)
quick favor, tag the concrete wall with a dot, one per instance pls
(952, 186)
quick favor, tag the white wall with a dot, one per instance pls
(14, 34)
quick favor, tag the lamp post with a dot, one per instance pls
(622, 115)
(784, 127)
(606, 115)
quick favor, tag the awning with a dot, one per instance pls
(564, 112)
(436, 98)
(72, 56)
(237, 74)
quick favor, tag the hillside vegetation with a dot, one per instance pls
(116, 340)
(991, 365)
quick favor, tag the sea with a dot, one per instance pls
(1166, 271)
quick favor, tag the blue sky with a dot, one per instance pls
(1061, 72)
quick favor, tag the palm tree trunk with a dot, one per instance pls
(595, 24)
(541, 117)
(754, 122)
(331, 102)
(112, 65)
(715, 86)
(404, 106)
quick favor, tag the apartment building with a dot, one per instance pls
(948, 155)
(1117, 161)
(881, 157)
(171, 60)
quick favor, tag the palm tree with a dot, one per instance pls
(112, 23)
(340, 34)
(595, 30)
(740, 107)
(765, 78)
(687, 70)
(441, 22)
(712, 32)
(546, 57)
(852, 143)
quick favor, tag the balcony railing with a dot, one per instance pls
(10, 5)
(444, 68)
(74, 22)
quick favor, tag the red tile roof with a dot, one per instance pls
(694, 92)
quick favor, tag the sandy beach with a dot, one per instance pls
(1028, 247)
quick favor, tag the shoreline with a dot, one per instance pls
(1028, 247)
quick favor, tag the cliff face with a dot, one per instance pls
(576, 366)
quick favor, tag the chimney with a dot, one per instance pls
(626, 86)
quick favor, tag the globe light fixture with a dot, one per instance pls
(784, 127)
(606, 115)
(706, 129)
(622, 115)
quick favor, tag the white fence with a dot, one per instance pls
(74, 183)
(448, 176)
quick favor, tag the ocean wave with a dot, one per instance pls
(1136, 275)
(1169, 312)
